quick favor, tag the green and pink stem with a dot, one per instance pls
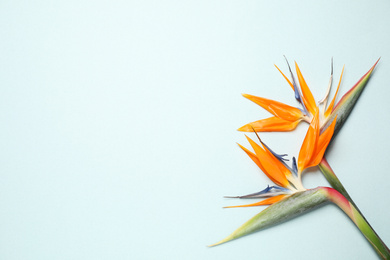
(355, 215)
(331, 177)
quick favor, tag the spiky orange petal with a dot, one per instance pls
(323, 143)
(252, 156)
(268, 201)
(281, 166)
(331, 104)
(271, 124)
(309, 143)
(289, 82)
(307, 96)
(269, 165)
(276, 108)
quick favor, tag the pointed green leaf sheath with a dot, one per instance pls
(290, 207)
(302, 202)
(342, 111)
(347, 102)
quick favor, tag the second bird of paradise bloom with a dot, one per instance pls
(288, 179)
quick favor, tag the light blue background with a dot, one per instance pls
(118, 125)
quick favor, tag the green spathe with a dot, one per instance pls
(347, 102)
(288, 208)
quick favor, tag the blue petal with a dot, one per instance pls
(269, 191)
(296, 90)
(278, 156)
(294, 166)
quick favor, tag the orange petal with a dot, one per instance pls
(326, 136)
(269, 165)
(289, 82)
(281, 166)
(276, 108)
(331, 104)
(268, 201)
(307, 96)
(272, 124)
(252, 156)
(309, 143)
(323, 143)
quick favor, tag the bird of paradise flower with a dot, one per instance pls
(289, 198)
(286, 117)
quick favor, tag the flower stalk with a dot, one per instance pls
(331, 177)
(359, 220)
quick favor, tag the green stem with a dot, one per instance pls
(331, 177)
(359, 220)
(364, 226)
